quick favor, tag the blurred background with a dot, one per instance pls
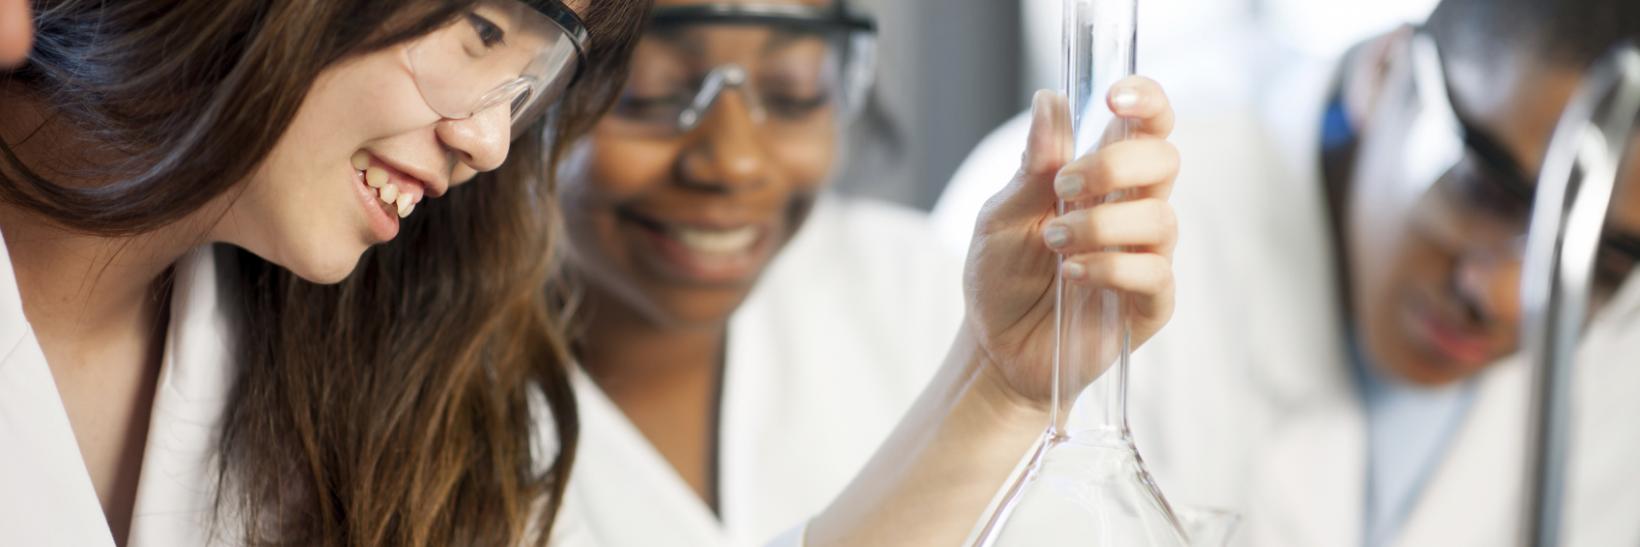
(950, 71)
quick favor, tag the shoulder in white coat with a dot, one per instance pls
(46, 495)
(831, 347)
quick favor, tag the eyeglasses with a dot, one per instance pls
(795, 68)
(518, 53)
(1486, 182)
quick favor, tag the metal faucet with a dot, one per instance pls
(1574, 192)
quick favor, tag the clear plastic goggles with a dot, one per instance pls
(792, 68)
(519, 53)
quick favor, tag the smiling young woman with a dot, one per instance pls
(313, 384)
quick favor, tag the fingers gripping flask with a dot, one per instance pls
(1085, 484)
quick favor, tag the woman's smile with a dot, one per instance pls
(700, 251)
(386, 193)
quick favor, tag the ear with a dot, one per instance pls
(1367, 67)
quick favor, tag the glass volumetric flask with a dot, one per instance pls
(1085, 484)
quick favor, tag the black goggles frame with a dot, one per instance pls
(834, 18)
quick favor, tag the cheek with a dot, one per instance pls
(1505, 295)
(1386, 274)
(372, 96)
(599, 174)
(290, 218)
(807, 162)
(301, 209)
(619, 169)
(1625, 206)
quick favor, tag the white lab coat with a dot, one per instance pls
(46, 496)
(1245, 400)
(824, 357)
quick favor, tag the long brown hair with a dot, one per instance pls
(392, 408)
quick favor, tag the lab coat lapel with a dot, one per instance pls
(176, 492)
(1472, 497)
(620, 469)
(46, 495)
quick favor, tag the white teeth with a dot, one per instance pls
(389, 193)
(717, 241)
(404, 204)
(361, 160)
(376, 177)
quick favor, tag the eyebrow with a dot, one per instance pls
(674, 37)
(782, 37)
(1514, 178)
(1626, 243)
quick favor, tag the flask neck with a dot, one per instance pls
(1093, 340)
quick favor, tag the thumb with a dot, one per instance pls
(1047, 149)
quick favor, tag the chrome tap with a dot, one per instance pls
(1574, 192)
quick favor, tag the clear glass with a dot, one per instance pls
(504, 52)
(793, 79)
(1085, 485)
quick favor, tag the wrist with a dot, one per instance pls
(989, 384)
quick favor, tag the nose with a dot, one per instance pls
(725, 153)
(1489, 285)
(479, 141)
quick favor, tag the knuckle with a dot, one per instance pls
(1108, 170)
(1093, 223)
(1166, 218)
(1170, 156)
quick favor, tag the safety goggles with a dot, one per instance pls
(1476, 180)
(792, 68)
(521, 54)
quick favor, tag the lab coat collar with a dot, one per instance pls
(1310, 486)
(176, 492)
(618, 449)
(46, 495)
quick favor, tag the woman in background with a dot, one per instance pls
(745, 334)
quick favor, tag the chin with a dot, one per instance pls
(1423, 374)
(703, 309)
(325, 268)
(1426, 369)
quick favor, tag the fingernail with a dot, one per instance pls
(1039, 106)
(1124, 99)
(1073, 270)
(1068, 185)
(1056, 236)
